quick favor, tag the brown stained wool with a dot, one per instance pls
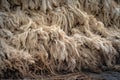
(43, 37)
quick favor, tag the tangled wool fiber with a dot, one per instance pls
(40, 37)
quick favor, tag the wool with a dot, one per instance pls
(49, 37)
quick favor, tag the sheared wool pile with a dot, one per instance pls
(39, 37)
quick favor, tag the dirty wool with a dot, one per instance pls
(51, 37)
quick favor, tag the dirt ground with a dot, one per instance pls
(108, 75)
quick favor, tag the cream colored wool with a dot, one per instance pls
(39, 37)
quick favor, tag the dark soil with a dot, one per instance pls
(109, 75)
